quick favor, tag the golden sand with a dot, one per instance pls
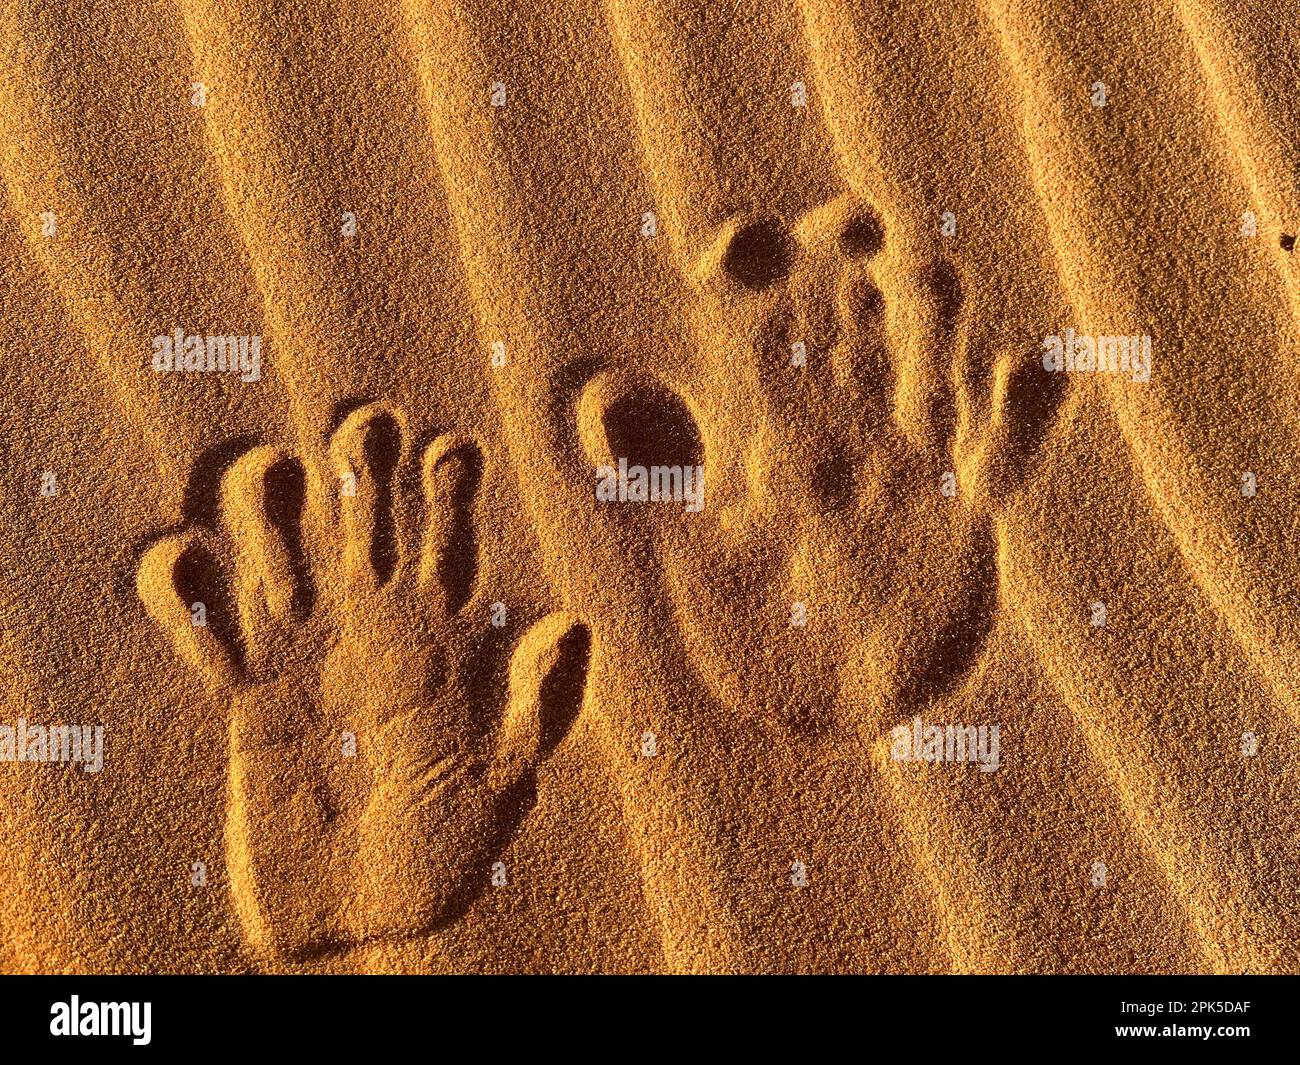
(388, 683)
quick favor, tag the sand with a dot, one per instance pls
(933, 657)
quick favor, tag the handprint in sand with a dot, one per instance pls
(843, 470)
(376, 766)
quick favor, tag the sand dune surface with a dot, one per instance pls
(647, 486)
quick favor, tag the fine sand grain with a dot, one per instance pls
(342, 342)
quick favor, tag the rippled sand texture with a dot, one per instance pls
(448, 710)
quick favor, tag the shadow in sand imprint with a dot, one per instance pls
(286, 497)
(759, 255)
(651, 426)
(457, 563)
(383, 454)
(198, 578)
(199, 505)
